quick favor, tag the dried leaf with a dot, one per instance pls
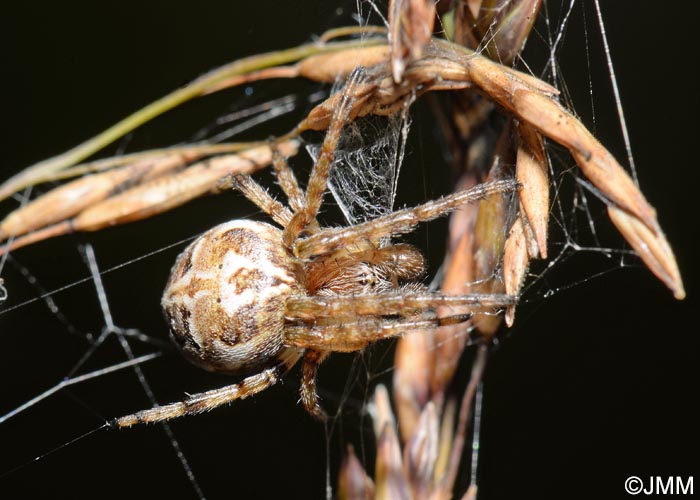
(651, 247)
(471, 493)
(504, 26)
(449, 341)
(421, 453)
(412, 368)
(353, 481)
(515, 262)
(532, 174)
(390, 479)
(447, 427)
(410, 28)
(391, 482)
(494, 215)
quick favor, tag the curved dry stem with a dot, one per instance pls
(202, 85)
(196, 150)
(478, 368)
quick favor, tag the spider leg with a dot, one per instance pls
(400, 221)
(205, 401)
(287, 179)
(356, 335)
(337, 307)
(289, 184)
(262, 199)
(318, 179)
(309, 369)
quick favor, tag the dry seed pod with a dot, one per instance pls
(449, 341)
(410, 28)
(71, 198)
(595, 161)
(651, 248)
(380, 410)
(505, 26)
(489, 243)
(471, 493)
(390, 480)
(598, 165)
(412, 368)
(320, 116)
(447, 428)
(489, 234)
(353, 481)
(449, 477)
(160, 194)
(532, 174)
(421, 452)
(464, 15)
(163, 194)
(335, 66)
(516, 258)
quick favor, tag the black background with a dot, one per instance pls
(595, 383)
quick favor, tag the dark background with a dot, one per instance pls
(595, 383)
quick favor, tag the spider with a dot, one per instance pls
(246, 297)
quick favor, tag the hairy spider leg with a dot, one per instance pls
(318, 179)
(309, 370)
(355, 335)
(262, 199)
(397, 222)
(287, 180)
(206, 401)
(315, 308)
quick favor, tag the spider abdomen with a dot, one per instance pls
(225, 299)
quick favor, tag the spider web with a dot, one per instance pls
(64, 304)
(367, 166)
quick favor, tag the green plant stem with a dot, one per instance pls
(40, 171)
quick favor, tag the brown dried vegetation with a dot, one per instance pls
(418, 456)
